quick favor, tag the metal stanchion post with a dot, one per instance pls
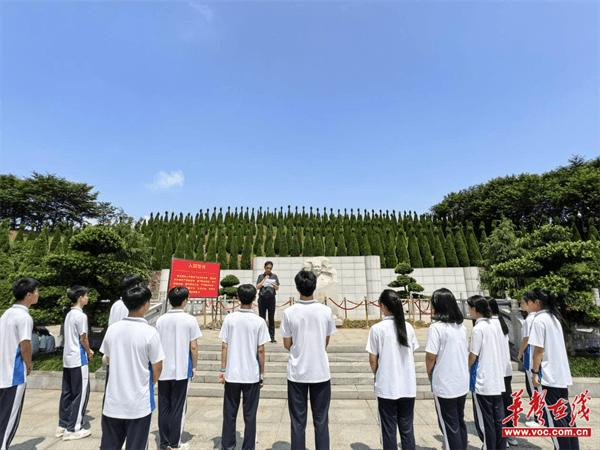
(345, 309)
(367, 311)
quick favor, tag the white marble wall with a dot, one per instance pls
(462, 281)
(352, 275)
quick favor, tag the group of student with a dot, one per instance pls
(138, 356)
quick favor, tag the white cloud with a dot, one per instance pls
(203, 10)
(167, 180)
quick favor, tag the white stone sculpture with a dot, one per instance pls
(326, 276)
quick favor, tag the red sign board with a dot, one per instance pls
(202, 279)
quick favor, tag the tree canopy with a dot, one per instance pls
(569, 194)
(49, 200)
(547, 258)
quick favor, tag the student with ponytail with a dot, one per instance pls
(446, 362)
(550, 364)
(498, 320)
(391, 345)
(487, 363)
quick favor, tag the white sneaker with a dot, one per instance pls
(532, 424)
(512, 441)
(72, 436)
(59, 431)
(185, 446)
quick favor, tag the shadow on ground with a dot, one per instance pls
(31, 444)
(185, 437)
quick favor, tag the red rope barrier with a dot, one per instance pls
(357, 304)
(347, 309)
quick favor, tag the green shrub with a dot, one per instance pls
(584, 366)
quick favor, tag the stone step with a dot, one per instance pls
(337, 378)
(335, 366)
(283, 357)
(356, 392)
(278, 348)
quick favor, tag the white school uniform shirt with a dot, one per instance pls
(243, 332)
(177, 329)
(448, 341)
(118, 311)
(528, 353)
(76, 324)
(16, 326)
(132, 346)
(506, 349)
(546, 332)
(395, 377)
(308, 323)
(487, 372)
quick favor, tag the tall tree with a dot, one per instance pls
(461, 247)
(413, 250)
(439, 258)
(450, 250)
(473, 246)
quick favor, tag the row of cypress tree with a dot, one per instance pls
(233, 237)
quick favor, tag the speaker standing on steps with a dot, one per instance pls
(268, 285)
(179, 333)
(306, 328)
(391, 347)
(244, 336)
(446, 360)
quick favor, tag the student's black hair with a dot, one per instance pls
(268, 263)
(24, 286)
(76, 291)
(549, 302)
(178, 295)
(480, 304)
(393, 303)
(246, 293)
(306, 282)
(446, 307)
(129, 281)
(496, 312)
(136, 297)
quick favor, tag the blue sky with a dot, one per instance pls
(183, 105)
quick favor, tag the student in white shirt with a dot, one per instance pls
(391, 345)
(16, 326)
(135, 355)
(487, 364)
(118, 310)
(507, 399)
(76, 379)
(446, 361)
(550, 363)
(306, 328)
(179, 332)
(525, 349)
(243, 335)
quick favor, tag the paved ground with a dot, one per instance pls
(353, 425)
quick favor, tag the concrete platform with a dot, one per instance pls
(353, 425)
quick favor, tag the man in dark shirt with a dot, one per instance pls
(268, 284)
